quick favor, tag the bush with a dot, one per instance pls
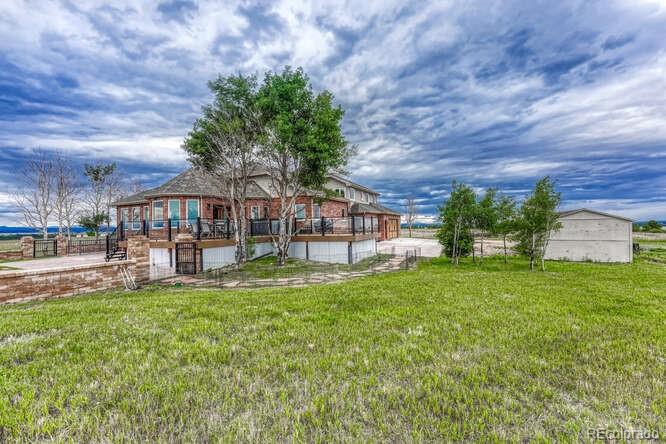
(465, 241)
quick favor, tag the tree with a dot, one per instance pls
(652, 226)
(538, 218)
(66, 195)
(103, 190)
(506, 219)
(302, 143)
(486, 215)
(410, 213)
(93, 222)
(224, 142)
(457, 217)
(35, 195)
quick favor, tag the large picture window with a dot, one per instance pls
(254, 212)
(316, 211)
(158, 214)
(192, 210)
(174, 211)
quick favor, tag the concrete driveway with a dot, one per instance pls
(429, 247)
(54, 262)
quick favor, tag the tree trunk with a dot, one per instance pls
(481, 258)
(504, 240)
(473, 249)
(532, 252)
(410, 230)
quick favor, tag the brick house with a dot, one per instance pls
(195, 194)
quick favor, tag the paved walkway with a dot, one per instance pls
(50, 263)
(393, 264)
(428, 247)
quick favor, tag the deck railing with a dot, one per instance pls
(203, 228)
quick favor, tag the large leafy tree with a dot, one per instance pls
(458, 217)
(225, 142)
(537, 219)
(506, 219)
(302, 142)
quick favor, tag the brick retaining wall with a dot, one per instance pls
(19, 286)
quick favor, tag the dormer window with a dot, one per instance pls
(352, 194)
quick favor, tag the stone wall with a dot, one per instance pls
(19, 286)
(28, 246)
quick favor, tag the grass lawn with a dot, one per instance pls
(265, 268)
(489, 352)
(10, 244)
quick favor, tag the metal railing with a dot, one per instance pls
(85, 246)
(204, 228)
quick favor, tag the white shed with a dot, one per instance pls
(588, 235)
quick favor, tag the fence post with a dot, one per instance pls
(198, 227)
(228, 228)
(169, 229)
(353, 224)
(364, 224)
(323, 226)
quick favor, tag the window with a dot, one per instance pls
(340, 192)
(316, 211)
(300, 211)
(254, 212)
(158, 214)
(136, 218)
(174, 211)
(192, 210)
(124, 216)
(352, 194)
(365, 196)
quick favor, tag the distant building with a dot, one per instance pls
(588, 235)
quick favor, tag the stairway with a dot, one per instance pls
(117, 253)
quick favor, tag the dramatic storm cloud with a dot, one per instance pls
(490, 93)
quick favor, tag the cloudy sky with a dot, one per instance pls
(494, 93)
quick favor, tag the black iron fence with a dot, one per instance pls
(77, 246)
(203, 228)
(45, 248)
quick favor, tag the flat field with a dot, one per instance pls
(474, 352)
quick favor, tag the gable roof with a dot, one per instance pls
(360, 208)
(580, 210)
(348, 183)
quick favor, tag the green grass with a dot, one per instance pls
(490, 352)
(265, 268)
(9, 244)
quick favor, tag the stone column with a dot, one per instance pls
(28, 246)
(138, 249)
(61, 245)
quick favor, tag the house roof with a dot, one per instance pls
(348, 182)
(191, 182)
(580, 210)
(136, 198)
(360, 208)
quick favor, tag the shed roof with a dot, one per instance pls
(580, 210)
